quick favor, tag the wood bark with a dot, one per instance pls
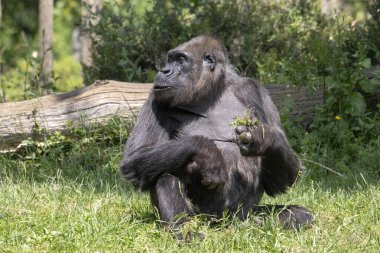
(105, 99)
(46, 43)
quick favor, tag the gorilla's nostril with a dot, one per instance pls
(166, 71)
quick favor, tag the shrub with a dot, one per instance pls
(261, 39)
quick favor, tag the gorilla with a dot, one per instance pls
(186, 152)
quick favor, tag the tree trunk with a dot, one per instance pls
(46, 44)
(107, 99)
(1, 12)
(88, 7)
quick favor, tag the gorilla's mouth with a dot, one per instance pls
(161, 87)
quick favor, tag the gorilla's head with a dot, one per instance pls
(194, 71)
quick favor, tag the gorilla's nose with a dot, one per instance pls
(166, 71)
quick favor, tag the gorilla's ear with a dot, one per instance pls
(209, 62)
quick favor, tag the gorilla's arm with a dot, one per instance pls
(145, 164)
(280, 163)
(150, 153)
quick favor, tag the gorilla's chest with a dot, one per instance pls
(213, 122)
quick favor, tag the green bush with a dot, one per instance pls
(261, 39)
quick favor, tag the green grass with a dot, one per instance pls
(70, 198)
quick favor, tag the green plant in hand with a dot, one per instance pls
(247, 120)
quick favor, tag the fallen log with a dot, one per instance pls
(106, 99)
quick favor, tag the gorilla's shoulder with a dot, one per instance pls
(251, 82)
(243, 85)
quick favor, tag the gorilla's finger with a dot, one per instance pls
(240, 129)
(245, 137)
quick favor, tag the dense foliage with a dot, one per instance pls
(264, 39)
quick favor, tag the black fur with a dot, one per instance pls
(185, 151)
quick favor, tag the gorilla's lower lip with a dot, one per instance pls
(161, 87)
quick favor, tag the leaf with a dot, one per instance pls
(366, 63)
(375, 84)
(370, 86)
(366, 85)
(355, 104)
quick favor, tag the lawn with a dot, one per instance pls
(70, 198)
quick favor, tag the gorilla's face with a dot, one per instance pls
(177, 77)
(188, 74)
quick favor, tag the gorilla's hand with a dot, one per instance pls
(210, 164)
(254, 141)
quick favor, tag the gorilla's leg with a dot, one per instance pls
(168, 195)
(291, 216)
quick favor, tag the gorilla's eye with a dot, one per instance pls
(181, 60)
